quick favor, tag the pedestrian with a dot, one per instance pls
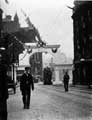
(66, 81)
(44, 76)
(3, 92)
(26, 84)
(49, 76)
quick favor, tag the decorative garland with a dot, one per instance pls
(54, 50)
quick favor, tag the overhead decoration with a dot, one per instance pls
(54, 50)
(29, 51)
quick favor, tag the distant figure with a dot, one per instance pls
(47, 76)
(44, 75)
(26, 84)
(66, 81)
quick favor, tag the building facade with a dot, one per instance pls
(25, 35)
(9, 25)
(36, 64)
(82, 27)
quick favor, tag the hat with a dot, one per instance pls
(27, 68)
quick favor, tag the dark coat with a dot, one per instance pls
(66, 78)
(26, 83)
(3, 83)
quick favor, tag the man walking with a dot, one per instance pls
(66, 81)
(26, 84)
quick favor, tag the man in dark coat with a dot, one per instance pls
(66, 81)
(3, 92)
(26, 84)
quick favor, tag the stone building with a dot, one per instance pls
(36, 61)
(25, 35)
(82, 27)
(9, 25)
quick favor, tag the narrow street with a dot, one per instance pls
(52, 103)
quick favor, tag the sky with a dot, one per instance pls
(51, 17)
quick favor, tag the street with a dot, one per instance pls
(50, 102)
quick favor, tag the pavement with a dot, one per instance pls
(50, 102)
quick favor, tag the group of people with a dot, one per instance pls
(26, 85)
(47, 76)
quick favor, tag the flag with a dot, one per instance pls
(70, 7)
(27, 20)
(6, 1)
(29, 23)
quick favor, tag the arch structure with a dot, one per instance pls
(36, 60)
(45, 49)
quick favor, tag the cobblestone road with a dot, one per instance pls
(52, 103)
